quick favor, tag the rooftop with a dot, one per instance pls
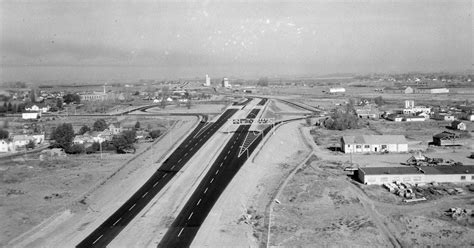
(430, 170)
(374, 139)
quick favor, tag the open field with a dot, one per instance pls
(47, 194)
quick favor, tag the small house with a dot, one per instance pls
(458, 125)
(6, 146)
(30, 115)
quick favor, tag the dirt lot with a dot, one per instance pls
(322, 206)
(32, 190)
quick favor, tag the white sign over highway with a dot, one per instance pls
(251, 121)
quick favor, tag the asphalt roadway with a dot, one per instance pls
(186, 225)
(108, 230)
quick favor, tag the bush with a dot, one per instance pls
(4, 134)
(76, 149)
(99, 125)
(84, 129)
(155, 134)
(31, 144)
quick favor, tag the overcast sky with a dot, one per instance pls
(237, 37)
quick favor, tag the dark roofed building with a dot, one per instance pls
(446, 139)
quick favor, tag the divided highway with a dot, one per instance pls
(186, 225)
(108, 230)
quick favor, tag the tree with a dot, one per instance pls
(4, 134)
(76, 149)
(137, 125)
(99, 125)
(63, 136)
(130, 136)
(14, 108)
(31, 144)
(379, 101)
(188, 104)
(59, 103)
(263, 82)
(84, 129)
(155, 134)
(342, 119)
(69, 98)
(10, 107)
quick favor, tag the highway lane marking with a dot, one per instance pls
(217, 172)
(115, 223)
(132, 207)
(190, 215)
(225, 157)
(198, 202)
(231, 146)
(228, 152)
(164, 176)
(185, 154)
(206, 190)
(212, 180)
(146, 193)
(221, 164)
(179, 234)
(191, 148)
(154, 185)
(179, 160)
(173, 166)
(98, 239)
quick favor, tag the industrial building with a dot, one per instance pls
(374, 143)
(422, 174)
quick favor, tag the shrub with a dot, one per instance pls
(155, 134)
(76, 149)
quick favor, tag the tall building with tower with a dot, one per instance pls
(225, 83)
(208, 81)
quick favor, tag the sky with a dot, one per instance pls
(238, 38)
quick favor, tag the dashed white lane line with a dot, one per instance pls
(206, 190)
(212, 180)
(228, 152)
(179, 160)
(164, 176)
(198, 202)
(98, 239)
(132, 207)
(154, 185)
(115, 223)
(185, 154)
(173, 166)
(146, 193)
(225, 157)
(190, 215)
(221, 164)
(217, 172)
(179, 234)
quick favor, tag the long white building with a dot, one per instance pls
(374, 144)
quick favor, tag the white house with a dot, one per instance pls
(374, 143)
(30, 115)
(458, 125)
(470, 117)
(6, 146)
